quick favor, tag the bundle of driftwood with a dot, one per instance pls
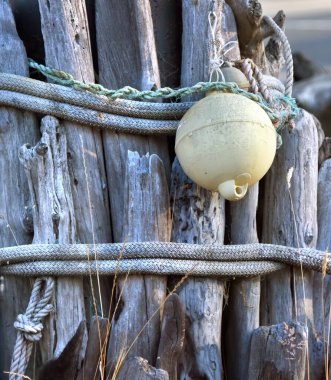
(92, 187)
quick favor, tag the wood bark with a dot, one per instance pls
(322, 286)
(198, 215)
(146, 218)
(16, 128)
(278, 352)
(67, 47)
(290, 218)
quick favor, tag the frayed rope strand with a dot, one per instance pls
(127, 92)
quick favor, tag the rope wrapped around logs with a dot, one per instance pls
(157, 258)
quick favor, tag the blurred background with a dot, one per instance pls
(307, 26)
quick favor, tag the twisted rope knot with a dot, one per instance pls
(29, 325)
(31, 329)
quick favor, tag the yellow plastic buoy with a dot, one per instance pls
(232, 74)
(226, 142)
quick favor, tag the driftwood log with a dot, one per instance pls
(138, 187)
(47, 171)
(135, 329)
(187, 336)
(172, 336)
(290, 218)
(66, 38)
(243, 301)
(320, 360)
(243, 312)
(16, 128)
(198, 217)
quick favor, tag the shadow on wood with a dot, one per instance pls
(96, 347)
(65, 366)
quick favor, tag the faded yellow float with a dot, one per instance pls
(226, 142)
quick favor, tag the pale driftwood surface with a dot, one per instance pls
(278, 352)
(67, 47)
(146, 218)
(172, 336)
(47, 171)
(127, 57)
(291, 221)
(16, 128)
(322, 289)
(198, 215)
(138, 368)
(244, 296)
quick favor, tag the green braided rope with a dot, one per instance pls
(127, 92)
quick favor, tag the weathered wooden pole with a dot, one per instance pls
(16, 128)
(128, 57)
(172, 336)
(322, 286)
(47, 171)
(244, 294)
(67, 47)
(290, 218)
(147, 218)
(198, 217)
